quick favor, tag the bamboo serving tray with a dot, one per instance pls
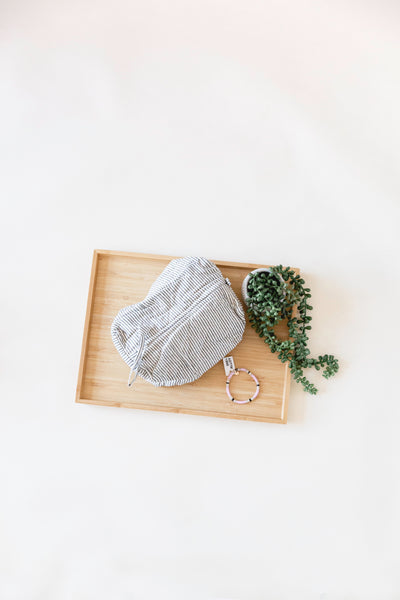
(122, 278)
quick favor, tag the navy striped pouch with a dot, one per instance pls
(190, 319)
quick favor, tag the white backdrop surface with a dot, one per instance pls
(257, 131)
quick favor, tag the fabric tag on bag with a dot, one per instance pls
(229, 364)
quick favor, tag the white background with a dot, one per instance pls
(258, 131)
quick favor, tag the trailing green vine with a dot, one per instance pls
(272, 297)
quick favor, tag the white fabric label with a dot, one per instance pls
(229, 364)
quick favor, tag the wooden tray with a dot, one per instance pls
(122, 278)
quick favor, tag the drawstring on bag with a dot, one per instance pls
(138, 361)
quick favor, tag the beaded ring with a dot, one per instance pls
(236, 372)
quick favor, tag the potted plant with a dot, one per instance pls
(275, 294)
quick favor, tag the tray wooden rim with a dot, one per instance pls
(170, 409)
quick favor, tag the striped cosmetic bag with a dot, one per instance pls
(190, 319)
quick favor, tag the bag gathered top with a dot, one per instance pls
(190, 319)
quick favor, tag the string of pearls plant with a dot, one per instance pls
(271, 298)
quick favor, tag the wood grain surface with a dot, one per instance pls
(122, 278)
